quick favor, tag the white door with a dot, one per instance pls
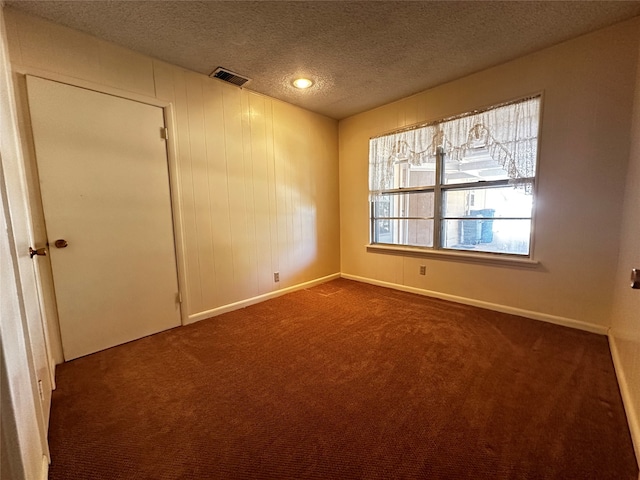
(104, 181)
(26, 364)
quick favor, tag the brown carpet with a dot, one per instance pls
(345, 381)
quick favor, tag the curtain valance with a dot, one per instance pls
(508, 133)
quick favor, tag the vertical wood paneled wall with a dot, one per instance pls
(258, 177)
(259, 189)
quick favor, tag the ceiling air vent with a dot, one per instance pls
(229, 76)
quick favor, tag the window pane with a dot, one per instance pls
(505, 202)
(417, 233)
(418, 204)
(477, 165)
(406, 175)
(487, 235)
(382, 206)
(422, 176)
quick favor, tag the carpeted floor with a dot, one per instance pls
(345, 381)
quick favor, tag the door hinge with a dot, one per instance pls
(40, 390)
(164, 133)
(178, 297)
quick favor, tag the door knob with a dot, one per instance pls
(38, 251)
(635, 278)
(61, 243)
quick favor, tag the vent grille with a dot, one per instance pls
(229, 76)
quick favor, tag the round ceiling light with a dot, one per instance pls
(302, 83)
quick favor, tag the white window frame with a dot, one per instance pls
(439, 190)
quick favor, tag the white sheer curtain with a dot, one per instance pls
(509, 133)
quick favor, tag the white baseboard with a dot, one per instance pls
(565, 322)
(260, 298)
(627, 400)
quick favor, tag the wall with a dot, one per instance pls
(23, 446)
(259, 189)
(257, 177)
(588, 86)
(625, 328)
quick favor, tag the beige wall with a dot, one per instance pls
(625, 328)
(588, 86)
(258, 178)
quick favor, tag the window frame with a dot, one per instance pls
(440, 188)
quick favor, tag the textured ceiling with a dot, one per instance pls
(360, 54)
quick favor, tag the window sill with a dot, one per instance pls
(489, 259)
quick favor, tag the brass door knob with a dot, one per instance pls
(38, 251)
(61, 243)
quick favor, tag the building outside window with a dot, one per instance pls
(464, 183)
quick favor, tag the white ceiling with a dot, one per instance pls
(360, 54)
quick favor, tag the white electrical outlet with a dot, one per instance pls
(423, 269)
(276, 276)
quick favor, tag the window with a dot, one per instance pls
(464, 183)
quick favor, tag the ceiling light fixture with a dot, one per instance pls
(302, 83)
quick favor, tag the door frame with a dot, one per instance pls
(175, 196)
